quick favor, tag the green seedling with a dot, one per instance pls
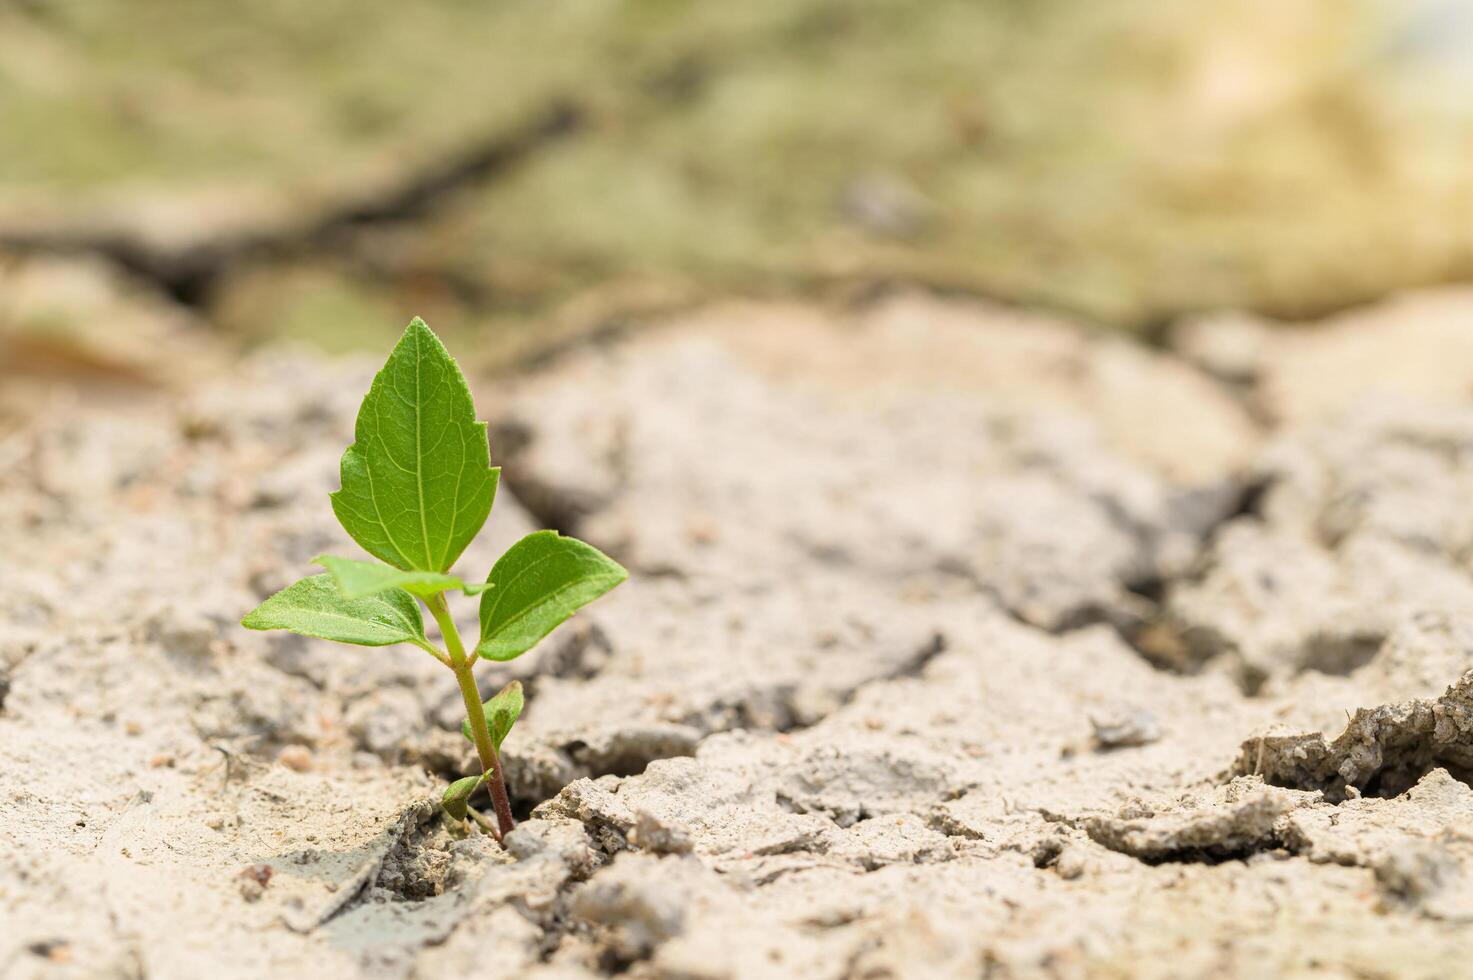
(417, 486)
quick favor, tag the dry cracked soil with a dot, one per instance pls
(959, 642)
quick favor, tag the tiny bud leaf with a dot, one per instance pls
(314, 607)
(457, 795)
(540, 581)
(357, 579)
(502, 712)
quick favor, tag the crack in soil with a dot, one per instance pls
(1149, 629)
(559, 507)
(190, 272)
(630, 751)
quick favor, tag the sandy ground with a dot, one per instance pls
(959, 643)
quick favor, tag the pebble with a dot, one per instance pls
(295, 757)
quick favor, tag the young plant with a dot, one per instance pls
(417, 485)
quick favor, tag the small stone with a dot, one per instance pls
(1046, 852)
(659, 837)
(298, 758)
(1071, 863)
(55, 950)
(1128, 727)
(253, 881)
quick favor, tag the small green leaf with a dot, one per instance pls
(502, 712)
(458, 794)
(417, 481)
(357, 579)
(540, 581)
(314, 607)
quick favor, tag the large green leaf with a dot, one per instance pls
(502, 712)
(417, 481)
(315, 607)
(357, 579)
(540, 581)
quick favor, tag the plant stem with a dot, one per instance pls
(486, 826)
(432, 651)
(480, 734)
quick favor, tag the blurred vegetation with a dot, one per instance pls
(1126, 161)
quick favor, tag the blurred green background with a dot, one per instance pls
(527, 169)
